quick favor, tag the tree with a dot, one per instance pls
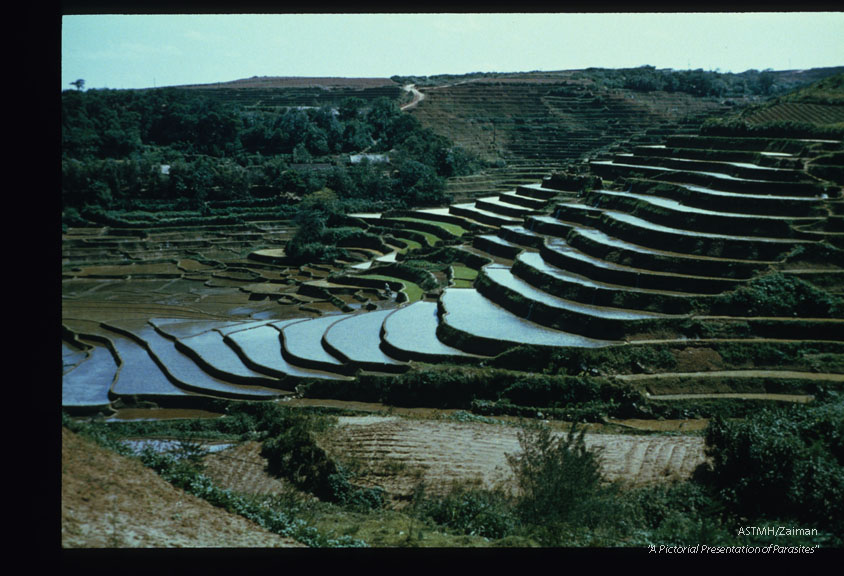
(559, 484)
(350, 108)
(766, 81)
(80, 84)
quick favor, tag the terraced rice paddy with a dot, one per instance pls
(548, 270)
(357, 340)
(586, 272)
(414, 291)
(469, 313)
(411, 332)
(303, 343)
(463, 276)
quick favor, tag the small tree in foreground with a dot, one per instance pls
(560, 489)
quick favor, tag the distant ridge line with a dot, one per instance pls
(297, 82)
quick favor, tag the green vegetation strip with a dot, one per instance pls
(411, 245)
(463, 276)
(448, 227)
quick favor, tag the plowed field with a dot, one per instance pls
(397, 453)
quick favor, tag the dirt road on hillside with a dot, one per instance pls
(417, 97)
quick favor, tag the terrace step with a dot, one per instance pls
(549, 226)
(356, 340)
(739, 203)
(773, 159)
(541, 191)
(213, 354)
(612, 169)
(744, 170)
(411, 223)
(579, 213)
(645, 233)
(532, 268)
(86, 387)
(519, 297)
(756, 144)
(472, 212)
(495, 205)
(74, 352)
(523, 201)
(667, 211)
(139, 376)
(496, 246)
(475, 324)
(443, 215)
(302, 344)
(597, 243)
(763, 376)
(410, 333)
(182, 368)
(260, 348)
(521, 236)
(176, 328)
(559, 253)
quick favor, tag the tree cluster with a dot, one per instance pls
(695, 82)
(124, 147)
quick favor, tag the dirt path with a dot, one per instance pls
(417, 97)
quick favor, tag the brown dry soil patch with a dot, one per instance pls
(398, 454)
(242, 469)
(110, 501)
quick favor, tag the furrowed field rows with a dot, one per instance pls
(446, 451)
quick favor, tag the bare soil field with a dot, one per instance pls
(398, 453)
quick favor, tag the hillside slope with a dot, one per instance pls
(110, 501)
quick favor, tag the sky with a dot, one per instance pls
(146, 51)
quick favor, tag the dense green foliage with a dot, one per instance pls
(488, 391)
(778, 295)
(697, 82)
(469, 508)
(289, 444)
(730, 126)
(170, 148)
(784, 464)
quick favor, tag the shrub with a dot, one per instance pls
(292, 452)
(779, 295)
(561, 493)
(472, 509)
(678, 513)
(786, 463)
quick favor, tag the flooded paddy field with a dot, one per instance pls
(516, 304)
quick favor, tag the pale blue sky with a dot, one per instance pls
(142, 51)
